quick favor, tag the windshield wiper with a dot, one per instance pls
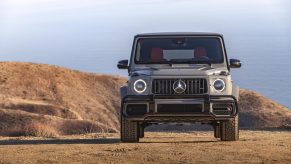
(191, 61)
(152, 68)
(203, 62)
(135, 73)
(167, 62)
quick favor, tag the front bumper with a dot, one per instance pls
(209, 112)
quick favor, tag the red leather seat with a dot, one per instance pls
(200, 52)
(157, 54)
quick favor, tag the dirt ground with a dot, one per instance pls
(156, 147)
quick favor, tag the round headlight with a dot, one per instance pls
(219, 85)
(139, 86)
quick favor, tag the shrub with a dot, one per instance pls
(84, 127)
(40, 130)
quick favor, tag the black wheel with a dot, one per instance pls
(216, 131)
(129, 130)
(141, 131)
(229, 130)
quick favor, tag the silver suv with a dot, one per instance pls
(179, 78)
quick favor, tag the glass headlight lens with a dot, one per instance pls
(139, 86)
(219, 84)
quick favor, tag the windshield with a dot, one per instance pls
(178, 50)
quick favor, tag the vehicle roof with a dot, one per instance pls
(178, 34)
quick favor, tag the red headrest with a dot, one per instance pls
(157, 54)
(200, 52)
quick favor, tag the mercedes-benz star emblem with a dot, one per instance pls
(179, 86)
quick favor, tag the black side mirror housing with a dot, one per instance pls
(122, 64)
(234, 63)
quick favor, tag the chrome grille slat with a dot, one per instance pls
(195, 87)
(192, 85)
(199, 87)
(188, 88)
(165, 86)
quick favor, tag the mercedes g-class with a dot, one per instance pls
(179, 78)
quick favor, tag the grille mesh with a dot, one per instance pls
(193, 86)
(179, 108)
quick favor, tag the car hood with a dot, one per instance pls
(199, 71)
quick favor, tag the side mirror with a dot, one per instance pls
(122, 64)
(234, 63)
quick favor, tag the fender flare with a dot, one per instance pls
(235, 91)
(123, 92)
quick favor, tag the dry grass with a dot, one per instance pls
(40, 130)
(194, 147)
(74, 102)
(32, 129)
(13, 132)
(58, 96)
(257, 111)
(84, 127)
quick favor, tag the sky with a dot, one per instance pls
(92, 35)
(78, 34)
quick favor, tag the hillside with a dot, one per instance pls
(257, 111)
(36, 97)
(65, 100)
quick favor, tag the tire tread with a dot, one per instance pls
(229, 130)
(129, 130)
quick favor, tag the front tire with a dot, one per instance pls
(141, 131)
(229, 130)
(216, 131)
(129, 130)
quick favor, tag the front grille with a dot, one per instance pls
(193, 86)
(179, 108)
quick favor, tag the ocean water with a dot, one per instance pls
(93, 36)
